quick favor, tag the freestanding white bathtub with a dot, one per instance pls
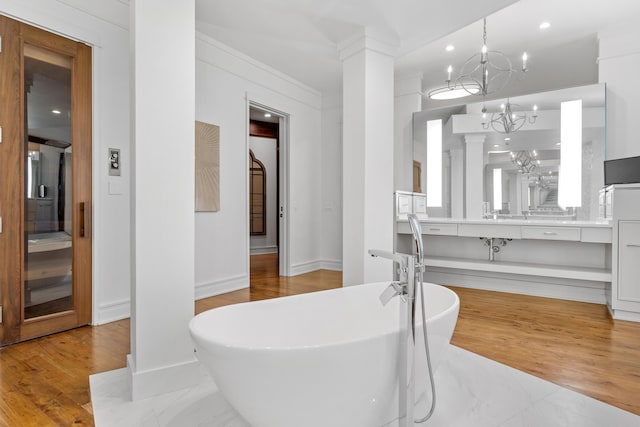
(327, 358)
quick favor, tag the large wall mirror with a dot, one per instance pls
(537, 156)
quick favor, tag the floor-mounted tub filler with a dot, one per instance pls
(330, 358)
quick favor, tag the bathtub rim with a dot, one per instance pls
(210, 344)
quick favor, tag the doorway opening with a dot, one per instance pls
(267, 195)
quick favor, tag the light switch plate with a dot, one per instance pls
(114, 162)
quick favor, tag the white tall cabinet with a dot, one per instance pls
(623, 201)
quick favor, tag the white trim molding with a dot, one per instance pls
(262, 250)
(224, 57)
(221, 286)
(321, 264)
(112, 311)
(154, 382)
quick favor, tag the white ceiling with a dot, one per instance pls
(299, 37)
(514, 29)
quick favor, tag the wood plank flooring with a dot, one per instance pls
(572, 344)
(44, 382)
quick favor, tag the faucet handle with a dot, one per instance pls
(394, 289)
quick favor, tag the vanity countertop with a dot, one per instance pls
(525, 222)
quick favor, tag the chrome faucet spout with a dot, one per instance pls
(399, 258)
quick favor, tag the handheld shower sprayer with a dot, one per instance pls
(416, 229)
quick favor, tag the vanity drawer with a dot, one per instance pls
(551, 233)
(440, 229)
(490, 230)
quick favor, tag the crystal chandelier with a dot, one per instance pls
(526, 161)
(484, 73)
(508, 121)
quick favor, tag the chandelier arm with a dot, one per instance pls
(469, 61)
(504, 57)
(494, 66)
(518, 125)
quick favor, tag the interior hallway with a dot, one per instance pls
(574, 345)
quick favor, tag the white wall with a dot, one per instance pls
(109, 38)
(331, 146)
(264, 149)
(226, 80)
(618, 64)
(407, 100)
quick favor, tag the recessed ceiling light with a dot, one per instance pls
(449, 48)
(267, 115)
(496, 145)
(55, 111)
(507, 139)
(545, 25)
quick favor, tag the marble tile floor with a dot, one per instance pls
(472, 391)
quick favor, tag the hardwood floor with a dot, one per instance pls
(265, 284)
(44, 382)
(572, 344)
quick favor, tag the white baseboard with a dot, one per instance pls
(112, 311)
(330, 264)
(309, 266)
(264, 250)
(221, 286)
(305, 267)
(118, 310)
(155, 382)
(630, 316)
(573, 290)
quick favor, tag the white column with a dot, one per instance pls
(367, 157)
(523, 193)
(457, 182)
(474, 175)
(408, 100)
(162, 219)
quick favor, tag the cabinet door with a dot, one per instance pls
(629, 261)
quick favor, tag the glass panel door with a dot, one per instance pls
(45, 183)
(47, 224)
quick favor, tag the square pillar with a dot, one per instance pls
(474, 175)
(457, 182)
(162, 218)
(368, 150)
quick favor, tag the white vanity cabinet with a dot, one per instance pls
(624, 301)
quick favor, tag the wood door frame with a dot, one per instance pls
(12, 153)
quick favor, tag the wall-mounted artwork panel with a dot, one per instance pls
(207, 170)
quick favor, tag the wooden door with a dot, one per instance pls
(45, 182)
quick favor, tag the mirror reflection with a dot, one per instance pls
(536, 156)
